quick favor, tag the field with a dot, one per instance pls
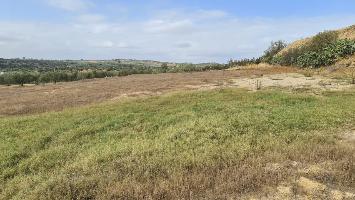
(30, 99)
(179, 136)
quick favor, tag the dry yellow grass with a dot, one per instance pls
(295, 45)
(347, 33)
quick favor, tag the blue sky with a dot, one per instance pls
(168, 30)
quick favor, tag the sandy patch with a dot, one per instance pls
(291, 81)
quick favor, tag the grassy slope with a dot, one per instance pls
(345, 33)
(184, 145)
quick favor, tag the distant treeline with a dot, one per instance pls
(244, 62)
(25, 71)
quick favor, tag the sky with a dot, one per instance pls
(165, 30)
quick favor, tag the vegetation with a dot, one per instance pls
(322, 50)
(244, 62)
(28, 71)
(189, 145)
(273, 50)
(350, 73)
(269, 54)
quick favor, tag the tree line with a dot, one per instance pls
(20, 71)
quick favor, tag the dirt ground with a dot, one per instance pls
(16, 100)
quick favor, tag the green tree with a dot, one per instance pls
(164, 67)
(273, 49)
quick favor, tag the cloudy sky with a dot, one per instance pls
(166, 30)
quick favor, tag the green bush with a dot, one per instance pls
(20, 77)
(328, 55)
(289, 58)
(323, 50)
(274, 49)
(322, 40)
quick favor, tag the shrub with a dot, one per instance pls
(322, 40)
(317, 52)
(288, 59)
(323, 50)
(274, 49)
(20, 78)
(327, 55)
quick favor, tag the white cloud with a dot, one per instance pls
(90, 18)
(211, 14)
(183, 45)
(71, 5)
(168, 36)
(103, 44)
(123, 45)
(168, 26)
(7, 39)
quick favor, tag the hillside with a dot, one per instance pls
(345, 33)
(322, 50)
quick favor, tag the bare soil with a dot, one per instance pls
(29, 99)
(17, 100)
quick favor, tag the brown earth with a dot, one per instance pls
(16, 100)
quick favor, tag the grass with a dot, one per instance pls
(213, 144)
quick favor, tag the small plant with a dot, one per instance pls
(351, 73)
(258, 84)
(308, 72)
(347, 73)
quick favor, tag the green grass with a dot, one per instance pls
(183, 145)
